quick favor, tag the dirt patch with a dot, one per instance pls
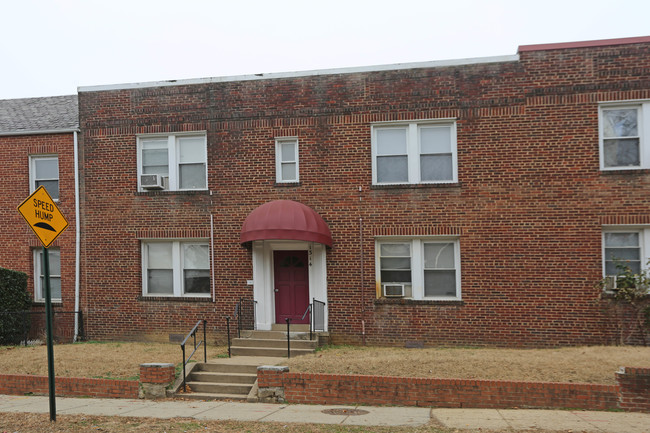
(98, 360)
(27, 422)
(574, 364)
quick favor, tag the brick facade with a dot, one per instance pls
(528, 208)
(18, 242)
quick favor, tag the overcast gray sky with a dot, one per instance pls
(50, 47)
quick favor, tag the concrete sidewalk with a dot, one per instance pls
(519, 419)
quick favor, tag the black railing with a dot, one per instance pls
(228, 335)
(316, 311)
(318, 315)
(245, 315)
(196, 346)
(288, 320)
(26, 326)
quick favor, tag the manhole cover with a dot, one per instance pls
(351, 412)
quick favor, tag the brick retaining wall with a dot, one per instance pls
(634, 384)
(402, 391)
(18, 384)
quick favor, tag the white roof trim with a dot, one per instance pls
(38, 132)
(277, 75)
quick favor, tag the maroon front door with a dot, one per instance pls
(291, 286)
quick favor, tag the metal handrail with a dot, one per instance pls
(239, 313)
(318, 308)
(196, 346)
(288, 320)
(308, 310)
(228, 333)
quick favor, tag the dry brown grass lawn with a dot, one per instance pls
(573, 364)
(107, 360)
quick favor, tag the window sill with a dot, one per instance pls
(409, 301)
(174, 298)
(416, 185)
(166, 192)
(55, 303)
(624, 171)
(287, 184)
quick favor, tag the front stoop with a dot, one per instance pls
(236, 378)
(218, 381)
(274, 343)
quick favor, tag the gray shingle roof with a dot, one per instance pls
(34, 115)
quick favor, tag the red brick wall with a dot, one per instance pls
(304, 388)
(157, 373)
(19, 384)
(634, 386)
(529, 205)
(17, 241)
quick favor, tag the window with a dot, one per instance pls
(54, 256)
(409, 153)
(286, 160)
(44, 170)
(427, 268)
(626, 245)
(622, 144)
(179, 161)
(176, 268)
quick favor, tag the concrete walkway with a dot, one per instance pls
(514, 419)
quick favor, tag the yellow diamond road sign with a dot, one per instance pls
(42, 215)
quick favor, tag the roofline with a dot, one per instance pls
(39, 132)
(583, 44)
(278, 75)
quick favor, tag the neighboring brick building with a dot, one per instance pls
(37, 138)
(487, 192)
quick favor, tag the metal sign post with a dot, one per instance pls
(47, 222)
(50, 342)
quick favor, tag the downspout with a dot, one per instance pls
(363, 291)
(363, 283)
(77, 253)
(214, 293)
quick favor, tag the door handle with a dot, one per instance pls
(277, 290)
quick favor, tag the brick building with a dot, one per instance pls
(458, 202)
(37, 147)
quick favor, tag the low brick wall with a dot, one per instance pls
(634, 388)
(400, 391)
(19, 384)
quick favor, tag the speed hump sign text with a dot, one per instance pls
(43, 216)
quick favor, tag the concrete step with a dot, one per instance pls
(275, 335)
(209, 396)
(293, 328)
(226, 368)
(266, 342)
(268, 351)
(220, 388)
(209, 377)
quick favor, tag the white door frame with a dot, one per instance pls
(263, 281)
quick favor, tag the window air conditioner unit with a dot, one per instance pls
(394, 290)
(152, 181)
(610, 283)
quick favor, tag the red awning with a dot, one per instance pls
(285, 219)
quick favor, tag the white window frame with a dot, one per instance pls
(177, 267)
(417, 263)
(644, 242)
(172, 180)
(39, 290)
(643, 125)
(413, 149)
(279, 161)
(33, 175)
